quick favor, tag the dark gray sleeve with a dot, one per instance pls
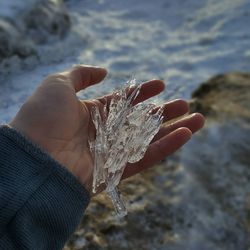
(41, 202)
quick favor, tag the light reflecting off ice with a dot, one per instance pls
(123, 134)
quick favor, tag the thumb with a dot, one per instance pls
(83, 76)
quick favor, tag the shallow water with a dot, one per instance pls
(181, 42)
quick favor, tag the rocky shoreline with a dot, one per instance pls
(199, 198)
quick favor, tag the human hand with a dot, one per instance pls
(55, 119)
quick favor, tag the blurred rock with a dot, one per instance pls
(46, 21)
(8, 37)
(224, 96)
(12, 41)
(49, 17)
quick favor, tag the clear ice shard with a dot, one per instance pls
(123, 134)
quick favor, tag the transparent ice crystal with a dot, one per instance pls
(123, 134)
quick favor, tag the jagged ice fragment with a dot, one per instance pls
(123, 134)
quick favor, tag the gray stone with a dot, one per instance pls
(21, 32)
(224, 96)
(47, 18)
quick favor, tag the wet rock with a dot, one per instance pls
(12, 41)
(224, 96)
(49, 17)
(21, 32)
(8, 38)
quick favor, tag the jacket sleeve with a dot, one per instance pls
(41, 202)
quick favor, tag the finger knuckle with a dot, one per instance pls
(57, 77)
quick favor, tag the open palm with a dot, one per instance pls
(55, 119)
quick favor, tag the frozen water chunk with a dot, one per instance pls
(123, 134)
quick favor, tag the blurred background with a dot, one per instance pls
(200, 197)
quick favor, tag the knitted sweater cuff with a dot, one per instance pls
(31, 180)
